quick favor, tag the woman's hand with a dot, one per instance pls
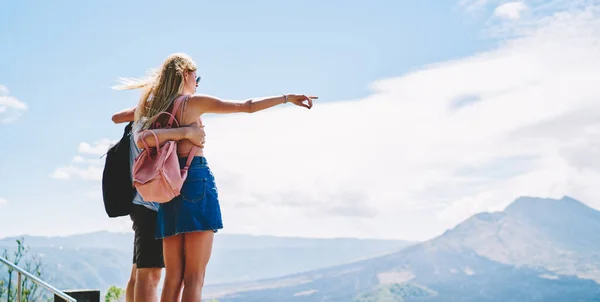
(299, 99)
(196, 134)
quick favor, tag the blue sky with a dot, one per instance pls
(60, 59)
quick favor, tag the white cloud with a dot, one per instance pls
(426, 149)
(422, 157)
(526, 13)
(98, 148)
(3, 201)
(510, 10)
(10, 107)
(80, 160)
(82, 165)
(90, 172)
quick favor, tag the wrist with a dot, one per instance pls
(187, 133)
(285, 98)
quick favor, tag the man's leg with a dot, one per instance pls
(149, 256)
(147, 284)
(131, 284)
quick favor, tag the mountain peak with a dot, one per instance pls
(527, 205)
(559, 219)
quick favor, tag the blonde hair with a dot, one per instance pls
(160, 86)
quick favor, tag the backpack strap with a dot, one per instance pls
(190, 157)
(195, 148)
(176, 105)
(128, 128)
(146, 147)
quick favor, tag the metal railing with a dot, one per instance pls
(35, 279)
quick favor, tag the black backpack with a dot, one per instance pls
(117, 184)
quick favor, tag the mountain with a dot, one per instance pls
(557, 235)
(535, 250)
(100, 259)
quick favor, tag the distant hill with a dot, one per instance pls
(101, 259)
(535, 250)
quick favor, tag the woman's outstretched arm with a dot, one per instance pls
(210, 104)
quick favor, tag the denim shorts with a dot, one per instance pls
(196, 208)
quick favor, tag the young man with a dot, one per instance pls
(147, 251)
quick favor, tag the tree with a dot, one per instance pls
(30, 263)
(114, 294)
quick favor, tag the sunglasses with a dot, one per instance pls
(198, 80)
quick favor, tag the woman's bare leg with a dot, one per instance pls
(198, 247)
(174, 265)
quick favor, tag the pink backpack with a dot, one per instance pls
(157, 175)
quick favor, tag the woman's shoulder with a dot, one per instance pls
(202, 98)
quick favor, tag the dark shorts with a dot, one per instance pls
(147, 250)
(197, 208)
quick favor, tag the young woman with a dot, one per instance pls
(148, 259)
(188, 222)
